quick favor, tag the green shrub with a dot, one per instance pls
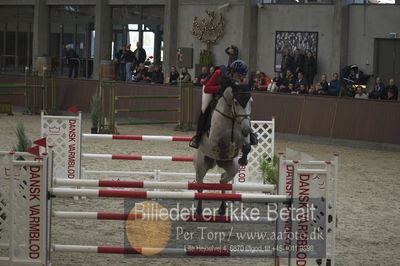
(95, 109)
(23, 143)
(205, 58)
(269, 169)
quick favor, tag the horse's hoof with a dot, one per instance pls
(243, 162)
(222, 209)
(199, 210)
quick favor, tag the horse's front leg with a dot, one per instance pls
(202, 165)
(222, 207)
(245, 152)
(199, 209)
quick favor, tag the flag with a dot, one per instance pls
(34, 150)
(73, 109)
(41, 142)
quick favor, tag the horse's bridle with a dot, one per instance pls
(235, 116)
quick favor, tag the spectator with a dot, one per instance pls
(324, 85)
(201, 77)
(140, 73)
(287, 61)
(290, 88)
(212, 69)
(390, 96)
(276, 82)
(318, 88)
(148, 61)
(300, 80)
(129, 63)
(185, 76)
(334, 85)
(302, 89)
(298, 61)
(378, 92)
(72, 61)
(287, 88)
(157, 75)
(233, 54)
(392, 88)
(140, 54)
(257, 78)
(289, 78)
(310, 68)
(312, 90)
(263, 81)
(149, 73)
(120, 56)
(173, 76)
(360, 93)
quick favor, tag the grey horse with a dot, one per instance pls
(228, 136)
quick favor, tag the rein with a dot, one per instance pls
(235, 116)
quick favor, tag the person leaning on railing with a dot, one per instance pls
(334, 85)
(157, 75)
(392, 92)
(185, 76)
(173, 76)
(72, 61)
(263, 82)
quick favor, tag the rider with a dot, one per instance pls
(235, 74)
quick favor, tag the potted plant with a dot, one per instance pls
(205, 59)
(23, 142)
(95, 112)
(269, 169)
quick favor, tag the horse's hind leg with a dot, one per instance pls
(202, 165)
(231, 168)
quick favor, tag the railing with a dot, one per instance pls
(3, 61)
(87, 64)
(296, 2)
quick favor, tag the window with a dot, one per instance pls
(15, 38)
(73, 26)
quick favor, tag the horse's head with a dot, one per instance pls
(240, 103)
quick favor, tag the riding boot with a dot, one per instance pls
(253, 138)
(201, 123)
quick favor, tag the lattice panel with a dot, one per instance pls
(58, 131)
(5, 175)
(322, 189)
(265, 131)
(21, 205)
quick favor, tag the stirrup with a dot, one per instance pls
(194, 142)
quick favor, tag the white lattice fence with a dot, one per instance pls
(67, 149)
(4, 201)
(23, 221)
(311, 183)
(265, 131)
(64, 134)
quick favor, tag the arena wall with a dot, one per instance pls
(318, 116)
(313, 18)
(366, 23)
(233, 31)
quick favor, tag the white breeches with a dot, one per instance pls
(206, 98)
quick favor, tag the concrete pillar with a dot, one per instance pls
(103, 37)
(340, 30)
(41, 31)
(170, 35)
(157, 45)
(248, 51)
